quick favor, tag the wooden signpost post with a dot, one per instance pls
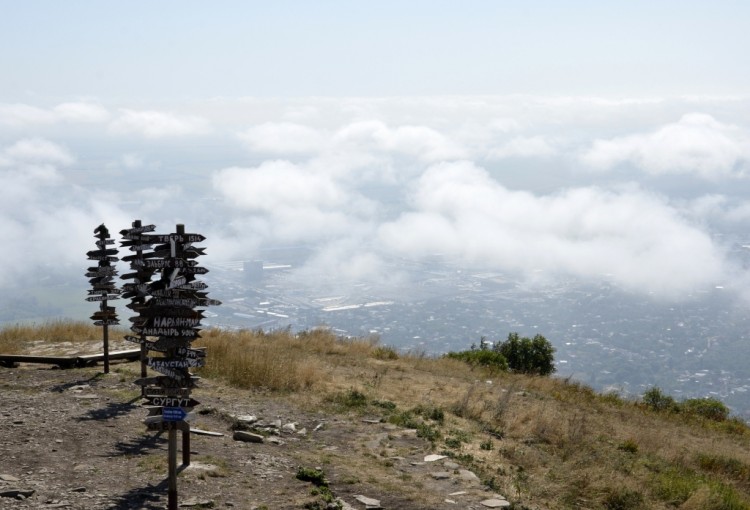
(167, 323)
(103, 288)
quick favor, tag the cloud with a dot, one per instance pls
(154, 124)
(35, 151)
(523, 147)
(301, 203)
(421, 142)
(697, 144)
(635, 238)
(81, 112)
(283, 138)
(22, 115)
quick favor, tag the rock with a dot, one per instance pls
(302, 432)
(248, 437)
(9, 478)
(16, 493)
(370, 504)
(450, 465)
(203, 503)
(78, 489)
(275, 440)
(201, 432)
(289, 427)
(495, 503)
(458, 493)
(441, 475)
(434, 457)
(467, 475)
(247, 418)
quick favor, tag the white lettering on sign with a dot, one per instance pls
(178, 322)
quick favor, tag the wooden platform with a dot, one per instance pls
(12, 360)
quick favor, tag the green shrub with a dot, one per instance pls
(528, 355)
(709, 408)
(481, 357)
(628, 446)
(656, 400)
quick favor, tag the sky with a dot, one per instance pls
(598, 140)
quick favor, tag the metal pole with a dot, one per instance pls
(172, 490)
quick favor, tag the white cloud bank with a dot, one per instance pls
(157, 124)
(634, 237)
(17, 115)
(697, 144)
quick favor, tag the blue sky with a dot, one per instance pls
(161, 51)
(597, 140)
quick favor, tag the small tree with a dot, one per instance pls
(528, 355)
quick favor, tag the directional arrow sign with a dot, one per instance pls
(175, 363)
(186, 302)
(109, 322)
(177, 238)
(191, 353)
(194, 270)
(103, 251)
(103, 257)
(174, 322)
(164, 263)
(102, 243)
(103, 270)
(154, 310)
(173, 414)
(178, 293)
(138, 230)
(167, 382)
(103, 290)
(155, 391)
(176, 332)
(101, 298)
(172, 401)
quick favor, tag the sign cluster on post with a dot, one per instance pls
(165, 295)
(103, 287)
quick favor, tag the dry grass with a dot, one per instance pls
(15, 339)
(545, 442)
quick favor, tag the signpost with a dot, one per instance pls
(165, 295)
(103, 288)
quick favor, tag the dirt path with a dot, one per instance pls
(75, 439)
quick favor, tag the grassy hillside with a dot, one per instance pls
(546, 443)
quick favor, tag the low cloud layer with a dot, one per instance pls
(519, 184)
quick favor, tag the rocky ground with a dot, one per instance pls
(75, 439)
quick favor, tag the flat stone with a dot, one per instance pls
(16, 493)
(450, 465)
(8, 478)
(248, 437)
(433, 457)
(205, 503)
(441, 475)
(247, 418)
(495, 503)
(78, 489)
(458, 493)
(467, 475)
(370, 503)
(201, 432)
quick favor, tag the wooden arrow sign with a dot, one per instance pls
(177, 238)
(155, 363)
(175, 332)
(155, 391)
(102, 243)
(99, 290)
(109, 322)
(168, 382)
(184, 352)
(153, 310)
(186, 302)
(102, 298)
(102, 251)
(138, 230)
(103, 257)
(164, 263)
(195, 270)
(174, 322)
(103, 270)
(165, 401)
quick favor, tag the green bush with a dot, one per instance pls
(481, 357)
(710, 408)
(656, 400)
(528, 355)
